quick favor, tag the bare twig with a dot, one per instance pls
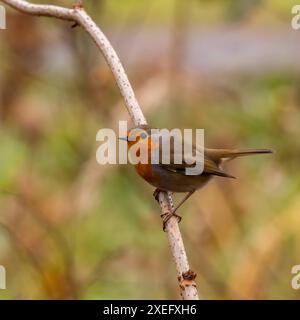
(79, 16)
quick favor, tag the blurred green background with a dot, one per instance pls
(72, 229)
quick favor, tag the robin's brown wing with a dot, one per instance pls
(210, 167)
(189, 160)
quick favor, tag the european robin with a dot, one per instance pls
(173, 176)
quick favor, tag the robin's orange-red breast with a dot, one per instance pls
(173, 176)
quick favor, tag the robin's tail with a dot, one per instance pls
(218, 154)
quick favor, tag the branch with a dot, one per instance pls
(78, 15)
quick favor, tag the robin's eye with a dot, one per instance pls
(143, 135)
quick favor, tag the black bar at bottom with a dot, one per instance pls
(129, 309)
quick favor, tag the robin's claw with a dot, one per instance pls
(179, 218)
(156, 194)
(167, 216)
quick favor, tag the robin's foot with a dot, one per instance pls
(156, 194)
(167, 216)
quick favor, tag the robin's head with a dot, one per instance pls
(140, 144)
(140, 134)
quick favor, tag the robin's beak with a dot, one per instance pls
(122, 138)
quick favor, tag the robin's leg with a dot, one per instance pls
(172, 206)
(182, 201)
(166, 216)
(156, 194)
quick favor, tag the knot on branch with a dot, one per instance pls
(187, 279)
(189, 275)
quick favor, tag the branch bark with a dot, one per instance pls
(77, 14)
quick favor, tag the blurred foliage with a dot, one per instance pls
(70, 228)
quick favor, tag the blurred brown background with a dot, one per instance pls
(70, 228)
